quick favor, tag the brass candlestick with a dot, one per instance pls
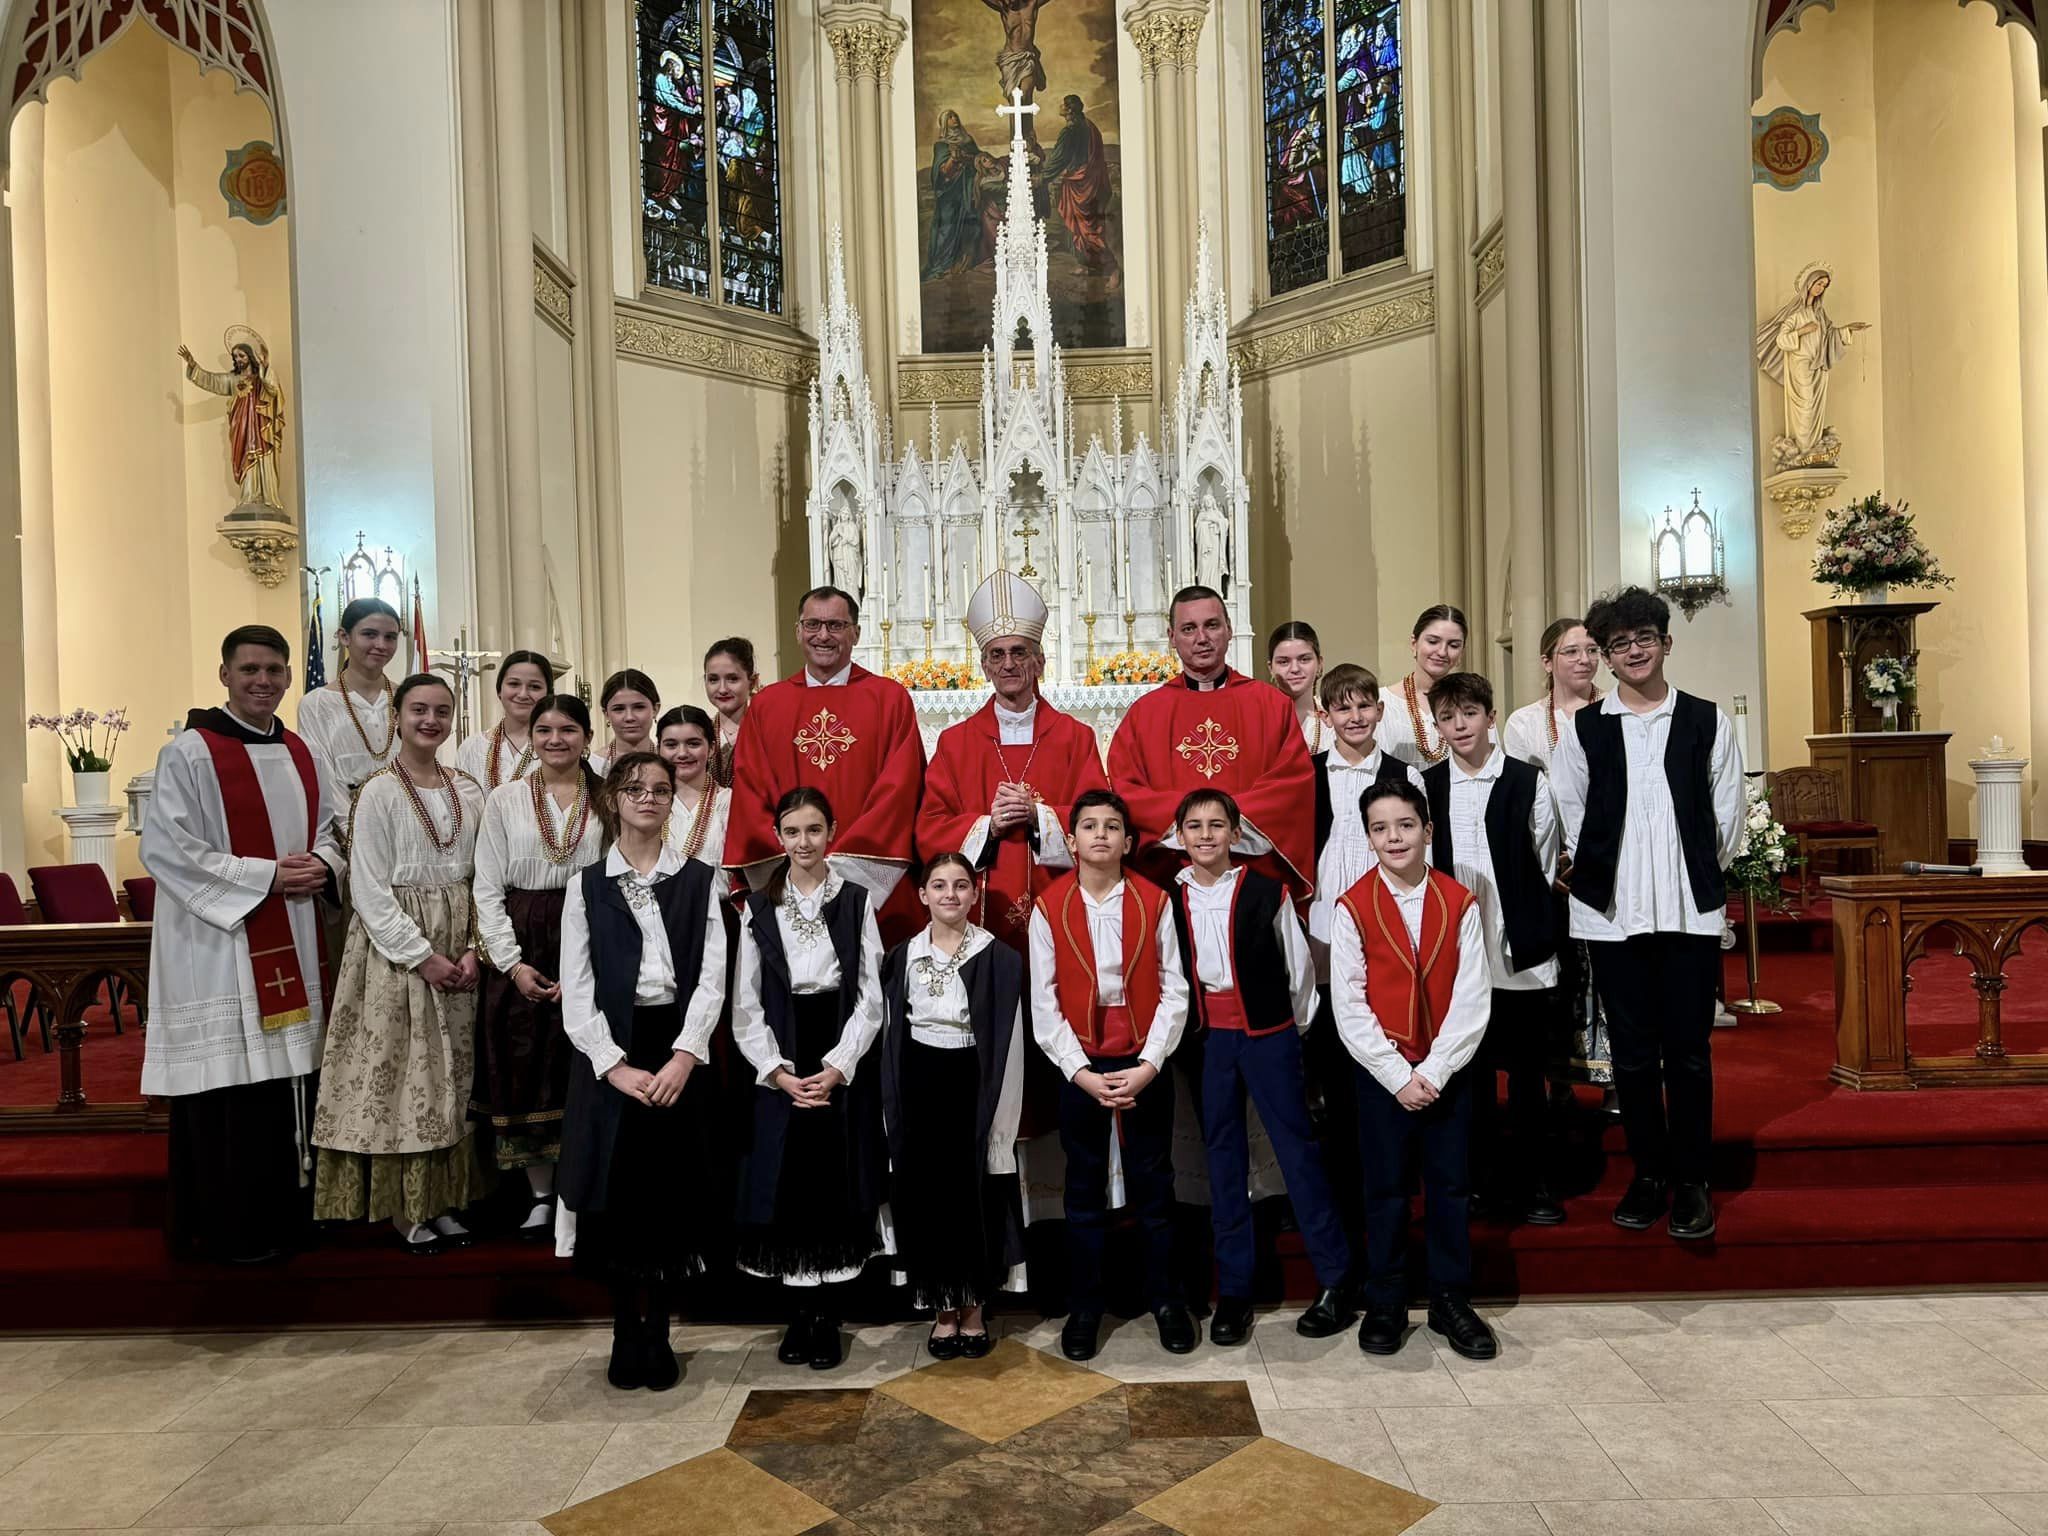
(1088, 620)
(928, 626)
(1130, 630)
(887, 625)
(1751, 1004)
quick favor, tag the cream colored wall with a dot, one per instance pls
(141, 255)
(560, 540)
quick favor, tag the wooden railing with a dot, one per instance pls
(1883, 923)
(65, 963)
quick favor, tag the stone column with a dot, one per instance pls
(1522, 220)
(2031, 173)
(596, 321)
(481, 276)
(865, 39)
(1167, 35)
(1448, 151)
(39, 761)
(1998, 813)
(1562, 348)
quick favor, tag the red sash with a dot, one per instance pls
(273, 956)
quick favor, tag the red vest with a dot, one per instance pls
(1408, 987)
(1073, 950)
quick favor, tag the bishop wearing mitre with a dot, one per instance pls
(838, 728)
(1214, 728)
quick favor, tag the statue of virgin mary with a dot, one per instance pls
(1798, 347)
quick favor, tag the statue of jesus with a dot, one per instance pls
(255, 418)
(1018, 64)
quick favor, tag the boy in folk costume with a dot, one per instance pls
(1496, 834)
(1108, 1002)
(1648, 848)
(1409, 985)
(1252, 991)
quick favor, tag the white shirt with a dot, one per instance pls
(1049, 1026)
(1209, 921)
(1347, 856)
(1459, 1033)
(1018, 729)
(324, 723)
(584, 1022)
(1397, 731)
(1527, 736)
(1651, 891)
(1317, 732)
(509, 857)
(388, 848)
(836, 680)
(1470, 794)
(473, 757)
(711, 848)
(813, 967)
(946, 1022)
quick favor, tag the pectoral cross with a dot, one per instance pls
(1017, 111)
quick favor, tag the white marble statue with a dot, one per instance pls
(842, 543)
(1798, 347)
(1212, 542)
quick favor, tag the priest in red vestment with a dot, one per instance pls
(1213, 728)
(839, 728)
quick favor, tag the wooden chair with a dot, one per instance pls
(80, 893)
(13, 913)
(1808, 802)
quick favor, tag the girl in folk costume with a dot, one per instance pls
(952, 1069)
(392, 1122)
(630, 702)
(352, 723)
(538, 832)
(507, 751)
(808, 1007)
(697, 823)
(643, 981)
(730, 683)
(1408, 730)
(1571, 660)
(1294, 661)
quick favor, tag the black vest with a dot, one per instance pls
(1391, 767)
(1257, 963)
(994, 980)
(590, 1123)
(1688, 757)
(1528, 915)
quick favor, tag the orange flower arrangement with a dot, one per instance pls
(1134, 667)
(937, 676)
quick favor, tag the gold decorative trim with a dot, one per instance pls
(687, 342)
(1379, 315)
(266, 544)
(866, 49)
(1489, 262)
(954, 383)
(1166, 37)
(552, 286)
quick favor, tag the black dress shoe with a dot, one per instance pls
(628, 1367)
(826, 1352)
(1643, 1206)
(1078, 1339)
(1692, 1212)
(1232, 1321)
(1383, 1330)
(946, 1348)
(662, 1368)
(1328, 1315)
(1177, 1334)
(796, 1342)
(973, 1346)
(1464, 1329)
(1540, 1208)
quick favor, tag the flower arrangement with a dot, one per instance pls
(938, 676)
(89, 739)
(1769, 852)
(1872, 543)
(1887, 680)
(1133, 667)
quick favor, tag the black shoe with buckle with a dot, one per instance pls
(1177, 1335)
(1328, 1315)
(942, 1346)
(796, 1341)
(1464, 1329)
(1643, 1206)
(1383, 1330)
(1692, 1213)
(1231, 1323)
(1078, 1339)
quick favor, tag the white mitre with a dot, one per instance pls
(1006, 604)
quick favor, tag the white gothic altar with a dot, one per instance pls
(1106, 534)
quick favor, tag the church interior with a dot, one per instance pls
(610, 329)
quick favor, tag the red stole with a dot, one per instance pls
(281, 996)
(1073, 950)
(1408, 1013)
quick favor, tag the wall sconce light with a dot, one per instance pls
(1686, 558)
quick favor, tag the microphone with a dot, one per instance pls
(1915, 867)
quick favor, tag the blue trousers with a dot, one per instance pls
(1268, 1067)
(1144, 1135)
(1390, 1139)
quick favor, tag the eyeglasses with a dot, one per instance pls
(640, 794)
(1008, 656)
(1644, 639)
(823, 626)
(1584, 652)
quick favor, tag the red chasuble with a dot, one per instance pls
(968, 766)
(858, 743)
(1242, 738)
(1408, 1013)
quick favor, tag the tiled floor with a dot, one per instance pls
(1797, 1417)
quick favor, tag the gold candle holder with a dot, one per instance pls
(929, 624)
(1088, 621)
(1130, 630)
(1751, 1005)
(887, 625)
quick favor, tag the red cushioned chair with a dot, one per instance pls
(14, 914)
(79, 893)
(1809, 803)
(141, 898)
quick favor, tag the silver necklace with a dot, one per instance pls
(805, 929)
(935, 974)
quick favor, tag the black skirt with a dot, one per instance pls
(522, 1055)
(823, 1222)
(656, 1221)
(236, 1191)
(959, 1228)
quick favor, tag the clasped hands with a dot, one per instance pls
(1119, 1089)
(533, 986)
(813, 1092)
(1014, 806)
(1417, 1093)
(299, 874)
(660, 1089)
(445, 975)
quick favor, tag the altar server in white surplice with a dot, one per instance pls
(242, 839)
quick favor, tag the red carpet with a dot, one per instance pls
(1818, 1188)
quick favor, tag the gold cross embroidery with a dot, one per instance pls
(824, 740)
(1208, 742)
(277, 980)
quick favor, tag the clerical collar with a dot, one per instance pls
(223, 721)
(836, 680)
(1198, 686)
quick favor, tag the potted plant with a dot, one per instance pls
(89, 741)
(1886, 683)
(1870, 546)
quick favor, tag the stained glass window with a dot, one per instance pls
(1358, 46)
(710, 183)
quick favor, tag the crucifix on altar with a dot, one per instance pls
(463, 667)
